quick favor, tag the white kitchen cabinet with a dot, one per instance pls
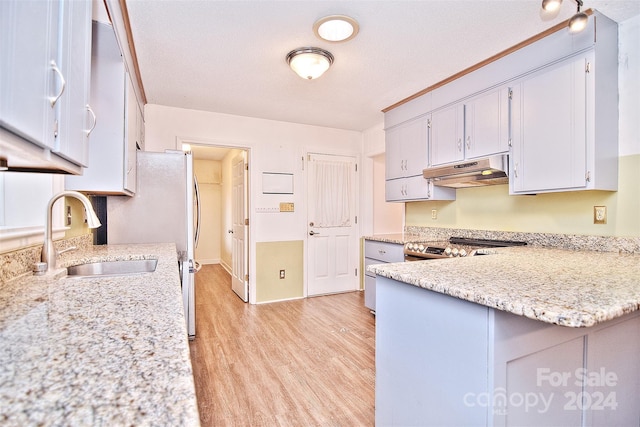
(565, 123)
(416, 188)
(76, 118)
(406, 149)
(113, 146)
(441, 360)
(376, 252)
(447, 135)
(406, 157)
(44, 81)
(477, 127)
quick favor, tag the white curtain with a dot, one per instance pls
(333, 187)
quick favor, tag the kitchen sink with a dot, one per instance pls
(113, 268)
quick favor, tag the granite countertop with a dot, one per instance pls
(557, 286)
(97, 351)
(398, 238)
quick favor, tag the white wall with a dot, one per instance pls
(273, 147)
(209, 180)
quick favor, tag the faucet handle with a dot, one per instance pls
(69, 249)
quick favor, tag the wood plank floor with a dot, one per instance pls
(307, 362)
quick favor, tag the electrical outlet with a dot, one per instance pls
(282, 274)
(599, 214)
(434, 214)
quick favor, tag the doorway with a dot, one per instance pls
(224, 238)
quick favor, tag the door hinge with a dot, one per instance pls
(246, 277)
(510, 93)
(246, 166)
(587, 67)
(356, 272)
(356, 219)
(429, 124)
(246, 221)
(356, 167)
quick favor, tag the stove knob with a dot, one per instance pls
(454, 252)
(447, 251)
(408, 246)
(462, 252)
(420, 248)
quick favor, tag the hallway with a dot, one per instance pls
(307, 362)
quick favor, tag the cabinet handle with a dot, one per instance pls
(459, 144)
(468, 142)
(515, 169)
(381, 252)
(54, 99)
(95, 121)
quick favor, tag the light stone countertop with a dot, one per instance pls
(97, 351)
(558, 286)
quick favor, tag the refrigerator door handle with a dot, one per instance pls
(198, 214)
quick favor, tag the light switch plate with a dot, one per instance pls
(286, 207)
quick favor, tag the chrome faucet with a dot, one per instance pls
(48, 252)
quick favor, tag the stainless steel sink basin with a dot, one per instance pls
(113, 268)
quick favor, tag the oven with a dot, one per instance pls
(455, 247)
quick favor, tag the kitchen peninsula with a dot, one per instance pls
(525, 336)
(96, 351)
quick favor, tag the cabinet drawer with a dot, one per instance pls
(383, 251)
(367, 263)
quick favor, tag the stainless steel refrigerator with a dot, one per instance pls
(162, 210)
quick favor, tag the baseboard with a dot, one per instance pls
(208, 261)
(226, 266)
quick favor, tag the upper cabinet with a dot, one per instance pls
(406, 157)
(551, 103)
(119, 132)
(406, 149)
(45, 117)
(473, 128)
(565, 124)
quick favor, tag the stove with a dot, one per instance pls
(455, 247)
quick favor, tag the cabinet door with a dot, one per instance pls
(28, 80)
(487, 124)
(75, 119)
(414, 146)
(394, 162)
(549, 139)
(447, 133)
(406, 149)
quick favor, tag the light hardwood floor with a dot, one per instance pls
(307, 362)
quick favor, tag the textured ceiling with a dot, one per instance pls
(229, 56)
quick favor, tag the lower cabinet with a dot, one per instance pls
(448, 362)
(376, 252)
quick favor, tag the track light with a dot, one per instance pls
(551, 5)
(577, 23)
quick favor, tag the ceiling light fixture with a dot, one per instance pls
(336, 28)
(309, 62)
(577, 23)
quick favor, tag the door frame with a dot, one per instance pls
(250, 237)
(329, 152)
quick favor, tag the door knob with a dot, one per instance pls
(230, 231)
(312, 233)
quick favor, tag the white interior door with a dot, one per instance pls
(239, 254)
(332, 239)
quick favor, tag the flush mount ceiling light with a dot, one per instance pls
(309, 62)
(577, 23)
(336, 28)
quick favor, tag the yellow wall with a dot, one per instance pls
(492, 208)
(78, 226)
(271, 257)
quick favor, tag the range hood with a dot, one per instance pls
(470, 173)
